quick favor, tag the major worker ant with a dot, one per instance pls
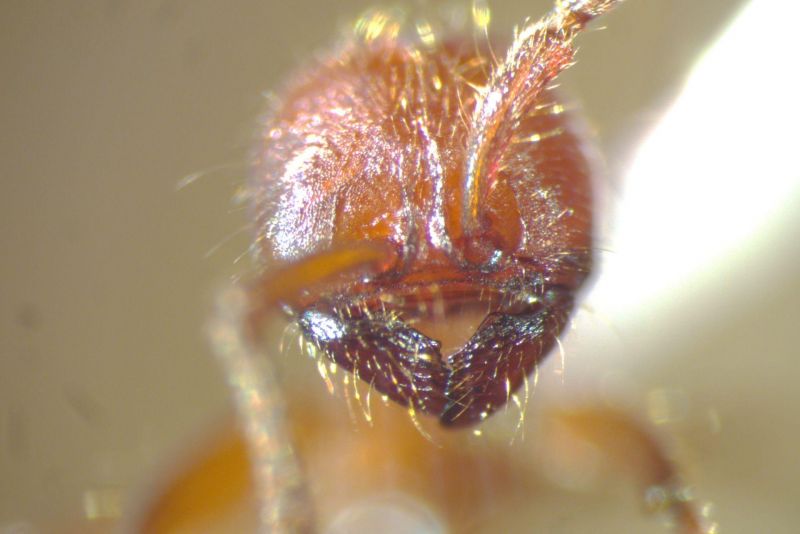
(403, 183)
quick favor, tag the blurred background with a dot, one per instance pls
(108, 269)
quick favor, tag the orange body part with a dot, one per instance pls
(469, 175)
(403, 186)
(467, 485)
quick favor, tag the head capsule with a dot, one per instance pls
(472, 173)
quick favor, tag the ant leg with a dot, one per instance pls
(629, 445)
(208, 486)
(281, 493)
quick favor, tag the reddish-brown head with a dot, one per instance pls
(470, 172)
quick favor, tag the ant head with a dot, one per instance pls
(470, 172)
(401, 145)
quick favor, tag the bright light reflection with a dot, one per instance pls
(713, 174)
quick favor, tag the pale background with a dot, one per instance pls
(105, 276)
